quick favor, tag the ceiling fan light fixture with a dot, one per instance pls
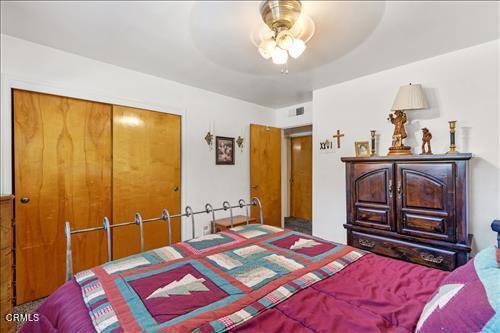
(280, 56)
(266, 48)
(287, 32)
(298, 47)
(284, 39)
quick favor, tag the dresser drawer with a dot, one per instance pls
(419, 254)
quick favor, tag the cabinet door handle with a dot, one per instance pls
(399, 189)
(366, 243)
(390, 188)
(431, 258)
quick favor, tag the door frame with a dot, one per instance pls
(286, 170)
(291, 168)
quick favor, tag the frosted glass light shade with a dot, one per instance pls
(297, 48)
(280, 56)
(284, 39)
(410, 97)
(266, 48)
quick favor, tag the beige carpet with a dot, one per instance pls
(26, 308)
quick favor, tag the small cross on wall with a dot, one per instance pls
(338, 136)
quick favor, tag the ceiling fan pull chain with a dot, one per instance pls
(284, 69)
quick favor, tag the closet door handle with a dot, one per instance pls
(25, 200)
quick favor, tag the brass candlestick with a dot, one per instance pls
(453, 150)
(372, 153)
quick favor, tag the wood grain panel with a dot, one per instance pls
(146, 176)
(265, 172)
(370, 195)
(6, 212)
(419, 254)
(423, 192)
(62, 163)
(372, 187)
(429, 193)
(301, 177)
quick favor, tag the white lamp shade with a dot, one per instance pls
(297, 48)
(280, 56)
(267, 47)
(410, 97)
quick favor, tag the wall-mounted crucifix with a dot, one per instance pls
(338, 136)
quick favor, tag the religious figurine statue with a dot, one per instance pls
(398, 119)
(426, 139)
(397, 140)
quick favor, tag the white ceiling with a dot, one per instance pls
(207, 44)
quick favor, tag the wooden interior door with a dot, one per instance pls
(301, 177)
(62, 172)
(146, 176)
(372, 193)
(265, 172)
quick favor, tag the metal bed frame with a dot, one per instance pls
(165, 216)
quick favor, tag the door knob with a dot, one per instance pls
(176, 188)
(25, 200)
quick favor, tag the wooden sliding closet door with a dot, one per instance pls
(62, 172)
(146, 176)
(265, 172)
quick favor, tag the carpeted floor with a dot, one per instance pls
(26, 308)
(298, 224)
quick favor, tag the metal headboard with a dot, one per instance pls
(165, 216)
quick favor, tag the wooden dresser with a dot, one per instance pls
(411, 207)
(6, 262)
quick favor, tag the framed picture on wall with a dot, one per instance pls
(224, 152)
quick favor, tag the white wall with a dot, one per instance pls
(286, 118)
(35, 67)
(461, 86)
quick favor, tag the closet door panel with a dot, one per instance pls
(146, 176)
(62, 172)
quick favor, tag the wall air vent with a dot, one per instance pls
(299, 111)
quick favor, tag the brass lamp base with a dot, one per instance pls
(403, 150)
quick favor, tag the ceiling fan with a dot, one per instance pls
(287, 32)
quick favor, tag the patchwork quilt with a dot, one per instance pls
(208, 284)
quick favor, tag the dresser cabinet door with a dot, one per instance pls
(425, 199)
(372, 195)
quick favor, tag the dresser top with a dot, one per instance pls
(437, 157)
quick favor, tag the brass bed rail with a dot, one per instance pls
(165, 216)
